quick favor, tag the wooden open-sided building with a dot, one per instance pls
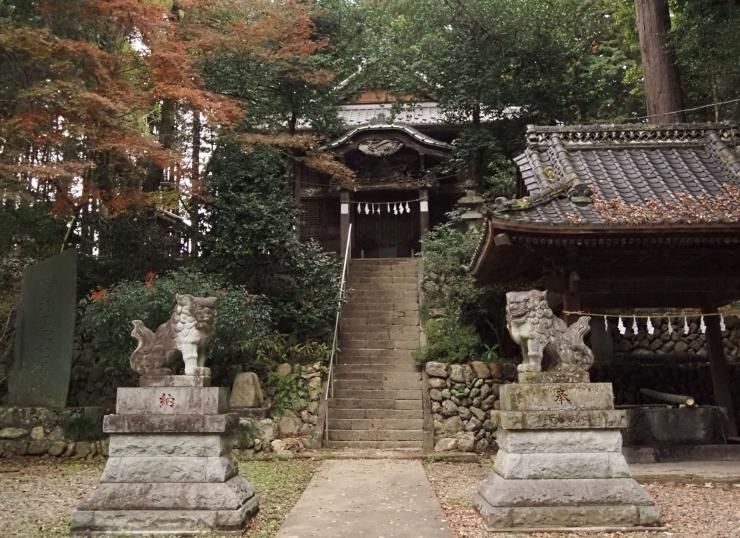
(618, 218)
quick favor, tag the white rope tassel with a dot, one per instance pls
(722, 326)
(635, 328)
(685, 325)
(620, 326)
(408, 209)
(702, 325)
(670, 326)
(650, 328)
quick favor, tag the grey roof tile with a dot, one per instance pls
(627, 166)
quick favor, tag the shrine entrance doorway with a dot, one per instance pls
(386, 224)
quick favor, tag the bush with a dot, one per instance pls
(104, 327)
(249, 236)
(449, 340)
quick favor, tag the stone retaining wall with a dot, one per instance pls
(293, 430)
(65, 433)
(676, 343)
(462, 397)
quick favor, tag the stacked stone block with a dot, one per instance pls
(560, 462)
(170, 469)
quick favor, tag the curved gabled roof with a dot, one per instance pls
(379, 128)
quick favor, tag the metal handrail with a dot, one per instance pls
(335, 341)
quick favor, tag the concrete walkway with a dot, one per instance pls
(367, 499)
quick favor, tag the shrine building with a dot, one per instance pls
(393, 149)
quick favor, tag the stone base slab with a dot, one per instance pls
(556, 396)
(162, 522)
(559, 441)
(561, 465)
(174, 381)
(559, 420)
(203, 445)
(172, 400)
(549, 517)
(169, 469)
(553, 377)
(500, 492)
(155, 424)
(229, 495)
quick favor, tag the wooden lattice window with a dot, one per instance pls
(320, 212)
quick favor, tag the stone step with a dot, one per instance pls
(373, 444)
(357, 324)
(370, 303)
(379, 377)
(394, 414)
(376, 435)
(342, 383)
(376, 424)
(384, 272)
(380, 334)
(393, 294)
(373, 403)
(372, 368)
(369, 394)
(383, 282)
(349, 346)
(374, 353)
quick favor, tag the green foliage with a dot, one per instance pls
(105, 317)
(449, 340)
(277, 348)
(446, 282)
(286, 391)
(81, 428)
(251, 240)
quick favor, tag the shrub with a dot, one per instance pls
(449, 340)
(105, 317)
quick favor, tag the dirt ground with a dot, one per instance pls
(37, 496)
(696, 510)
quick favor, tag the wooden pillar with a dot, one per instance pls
(423, 211)
(719, 370)
(344, 217)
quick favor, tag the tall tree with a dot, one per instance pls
(662, 81)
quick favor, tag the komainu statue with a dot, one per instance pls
(183, 337)
(542, 335)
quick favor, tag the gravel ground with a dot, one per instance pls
(37, 496)
(703, 510)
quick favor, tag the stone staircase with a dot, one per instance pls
(377, 392)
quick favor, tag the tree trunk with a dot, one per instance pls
(195, 186)
(662, 82)
(166, 137)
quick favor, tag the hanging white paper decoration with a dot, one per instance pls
(377, 210)
(670, 326)
(606, 325)
(395, 209)
(359, 208)
(389, 209)
(400, 208)
(408, 209)
(722, 326)
(650, 328)
(367, 209)
(634, 325)
(620, 326)
(702, 325)
(685, 325)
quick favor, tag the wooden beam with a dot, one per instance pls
(719, 370)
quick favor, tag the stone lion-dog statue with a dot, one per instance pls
(184, 336)
(543, 337)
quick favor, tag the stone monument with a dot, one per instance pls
(45, 326)
(559, 463)
(170, 469)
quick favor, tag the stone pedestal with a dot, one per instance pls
(560, 463)
(170, 469)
